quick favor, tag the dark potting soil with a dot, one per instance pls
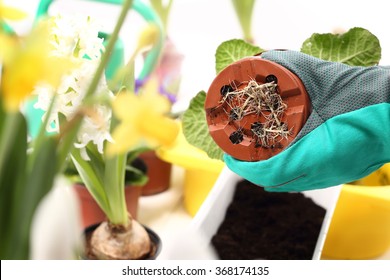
(266, 225)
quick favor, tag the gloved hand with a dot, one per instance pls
(346, 137)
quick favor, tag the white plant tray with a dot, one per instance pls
(212, 212)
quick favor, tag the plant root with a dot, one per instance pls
(262, 100)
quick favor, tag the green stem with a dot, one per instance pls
(244, 11)
(115, 186)
(162, 11)
(110, 47)
(12, 121)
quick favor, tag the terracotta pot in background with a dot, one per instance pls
(158, 172)
(90, 210)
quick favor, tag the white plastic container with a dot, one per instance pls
(212, 212)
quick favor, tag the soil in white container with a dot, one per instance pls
(268, 225)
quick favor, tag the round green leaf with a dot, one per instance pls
(357, 47)
(195, 128)
(233, 50)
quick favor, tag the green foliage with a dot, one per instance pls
(233, 50)
(244, 12)
(356, 47)
(27, 170)
(195, 127)
(12, 159)
(163, 9)
(25, 178)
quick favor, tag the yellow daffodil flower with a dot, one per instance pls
(10, 13)
(26, 62)
(142, 117)
(148, 36)
(7, 44)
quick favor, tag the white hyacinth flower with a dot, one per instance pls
(78, 40)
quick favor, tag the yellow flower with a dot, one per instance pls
(10, 13)
(7, 44)
(143, 117)
(25, 63)
(148, 36)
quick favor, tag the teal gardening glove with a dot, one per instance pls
(346, 137)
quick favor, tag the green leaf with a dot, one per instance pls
(357, 47)
(123, 78)
(12, 180)
(195, 128)
(92, 173)
(135, 177)
(244, 12)
(163, 9)
(37, 185)
(233, 50)
(67, 140)
(114, 186)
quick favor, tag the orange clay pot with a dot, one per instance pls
(236, 136)
(158, 172)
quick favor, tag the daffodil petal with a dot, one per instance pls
(7, 45)
(27, 64)
(158, 128)
(125, 106)
(11, 13)
(55, 68)
(125, 136)
(148, 36)
(150, 95)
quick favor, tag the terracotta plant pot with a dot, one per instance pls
(158, 172)
(90, 210)
(154, 238)
(250, 121)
